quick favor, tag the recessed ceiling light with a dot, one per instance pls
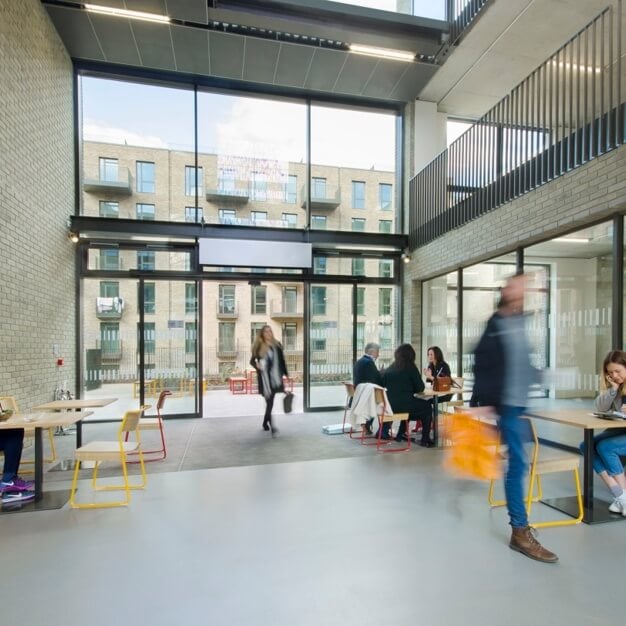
(384, 53)
(133, 15)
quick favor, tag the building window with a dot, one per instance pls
(145, 260)
(385, 226)
(145, 211)
(149, 298)
(360, 336)
(259, 299)
(358, 267)
(226, 179)
(384, 301)
(191, 336)
(109, 170)
(290, 299)
(109, 259)
(318, 336)
(360, 300)
(318, 222)
(385, 336)
(258, 217)
(385, 269)
(385, 196)
(290, 335)
(319, 265)
(109, 289)
(358, 194)
(358, 225)
(149, 338)
(255, 329)
(191, 301)
(110, 343)
(226, 299)
(259, 186)
(227, 216)
(194, 214)
(291, 190)
(109, 209)
(290, 219)
(193, 181)
(145, 177)
(318, 300)
(318, 189)
(226, 337)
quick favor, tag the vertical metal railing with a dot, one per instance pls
(568, 111)
(460, 14)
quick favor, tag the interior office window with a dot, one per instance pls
(385, 196)
(385, 226)
(191, 300)
(290, 299)
(149, 337)
(318, 222)
(109, 209)
(110, 343)
(193, 180)
(358, 194)
(385, 268)
(194, 214)
(226, 301)
(385, 336)
(109, 289)
(290, 335)
(360, 336)
(384, 301)
(255, 329)
(259, 299)
(145, 211)
(226, 179)
(291, 190)
(319, 265)
(145, 177)
(358, 224)
(358, 267)
(109, 259)
(109, 169)
(258, 217)
(318, 188)
(226, 337)
(318, 300)
(360, 300)
(227, 216)
(259, 186)
(318, 336)
(149, 298)
(191, 337)
(290, 219)
(145, 260)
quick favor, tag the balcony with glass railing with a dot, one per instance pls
(109, 308)
(110, 349)
(235, 192)
(227, 310)
(117, 181)
(285, 309)
(325, 199)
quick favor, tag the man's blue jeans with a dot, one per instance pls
(608, 447)
(515, 433)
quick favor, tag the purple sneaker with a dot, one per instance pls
(17, 484)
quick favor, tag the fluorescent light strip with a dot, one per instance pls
(384, 53)
(571, 240)
(133, 15)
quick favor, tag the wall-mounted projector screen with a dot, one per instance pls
(246, 253)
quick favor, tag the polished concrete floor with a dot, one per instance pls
(373, 540)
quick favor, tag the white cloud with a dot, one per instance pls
(100, 131)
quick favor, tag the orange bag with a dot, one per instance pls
(472, 453)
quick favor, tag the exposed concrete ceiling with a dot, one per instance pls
(504, 45)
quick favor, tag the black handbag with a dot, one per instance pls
(288, 402)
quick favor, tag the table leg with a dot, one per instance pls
(79, 434)
(38, 464)
(588, 473)
(436, 421)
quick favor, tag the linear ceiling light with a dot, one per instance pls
(384, 53)
(133, 15)
(571, 240)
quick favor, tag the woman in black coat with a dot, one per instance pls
(402, 380)
(269, 362)
(436, 367)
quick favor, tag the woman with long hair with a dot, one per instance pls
(436, 367)
(610, 445)
(269, 362)
(402, 380)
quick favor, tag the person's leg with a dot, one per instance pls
(608, 450)
(269, 405)
(423, 411)
(11, 442)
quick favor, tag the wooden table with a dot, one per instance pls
(594, 511)
(40, 421)
(75, 405)
(429, 393)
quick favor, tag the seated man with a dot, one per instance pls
(12, 487)
(365, 371)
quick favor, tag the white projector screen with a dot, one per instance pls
(246, 253)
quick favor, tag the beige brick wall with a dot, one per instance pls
(36, 197)
(582, 196)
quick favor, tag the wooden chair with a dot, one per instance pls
(9, 402)
(542, 463)
(99, 451)
(447, 408)
(153, 423)
(384, 418)
(346, 409)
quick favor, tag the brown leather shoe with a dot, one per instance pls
(523, 540)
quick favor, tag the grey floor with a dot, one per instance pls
(353, 538)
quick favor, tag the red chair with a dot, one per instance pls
(154, 423)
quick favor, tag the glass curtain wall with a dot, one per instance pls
(433, 9)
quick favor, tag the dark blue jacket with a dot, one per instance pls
(489, 365)
(365, 371)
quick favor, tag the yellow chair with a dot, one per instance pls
(448, 408)
(541, 463)
(99, 451)
(9, 402)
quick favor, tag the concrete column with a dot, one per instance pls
(429, 130)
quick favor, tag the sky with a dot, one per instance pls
(434, 9)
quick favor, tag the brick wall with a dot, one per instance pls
(37, 300)
(585, 195)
